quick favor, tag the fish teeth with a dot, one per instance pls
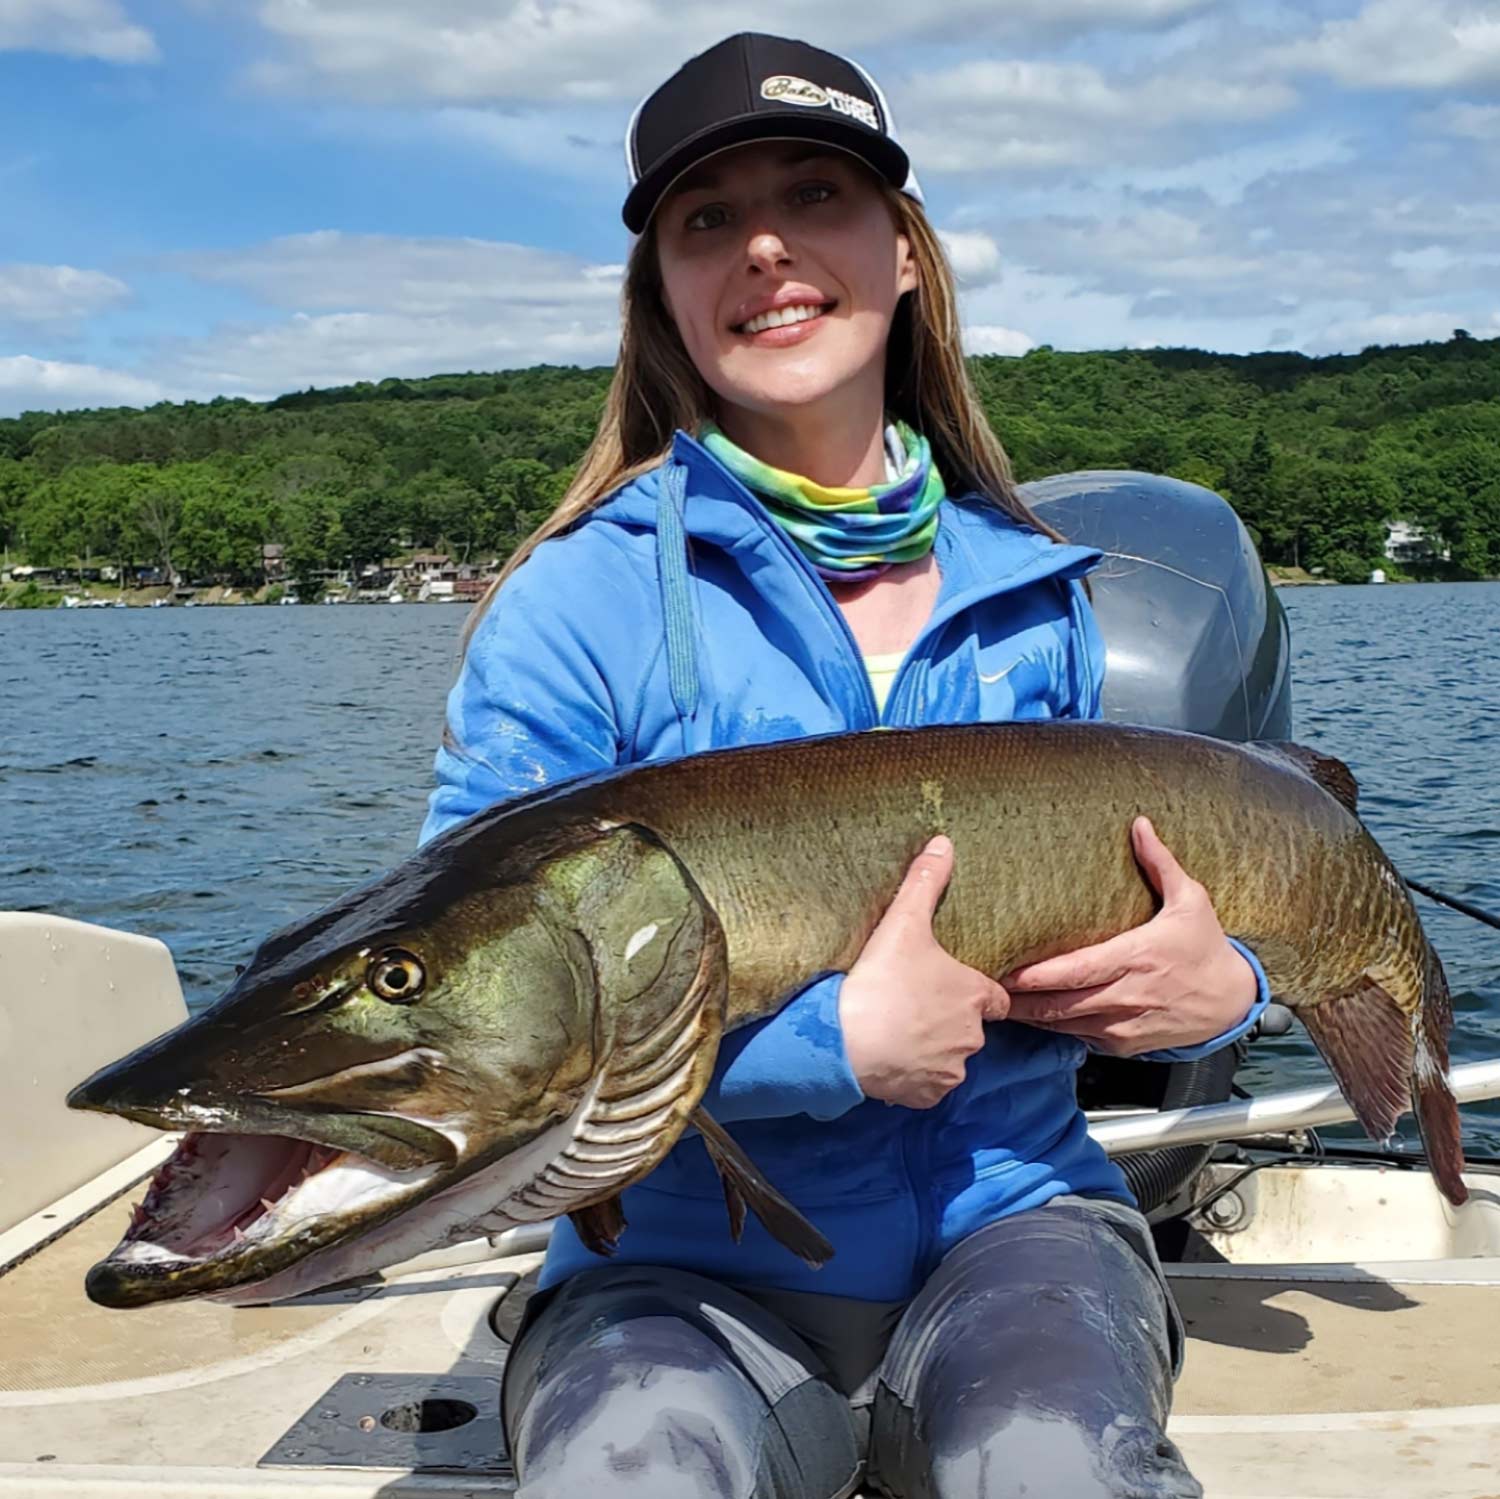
(268, 1205)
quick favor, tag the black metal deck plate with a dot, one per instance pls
(415, 1422)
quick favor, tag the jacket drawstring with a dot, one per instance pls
(676, 595)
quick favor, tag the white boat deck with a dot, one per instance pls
(1316, 1382)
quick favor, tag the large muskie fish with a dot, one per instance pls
(519, 1020)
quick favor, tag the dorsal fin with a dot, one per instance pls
(1332, 775)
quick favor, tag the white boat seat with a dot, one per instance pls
(73, 997)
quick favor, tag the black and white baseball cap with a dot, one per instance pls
(753, 87)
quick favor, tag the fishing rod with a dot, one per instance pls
(1458, 905)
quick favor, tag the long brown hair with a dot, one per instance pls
(656, 389)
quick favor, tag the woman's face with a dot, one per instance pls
(793, 228)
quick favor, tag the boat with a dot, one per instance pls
(1340, 1313)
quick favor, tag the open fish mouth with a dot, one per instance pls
(227, 1209)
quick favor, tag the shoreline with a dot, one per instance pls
(18, 599)
(22, 598)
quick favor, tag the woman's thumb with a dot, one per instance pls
(1168, 878)
(926, 879)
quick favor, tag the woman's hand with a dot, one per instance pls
(1175, 981)
(911, 1013)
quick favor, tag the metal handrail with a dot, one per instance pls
(1274, 1113)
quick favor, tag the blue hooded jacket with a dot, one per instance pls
(679, 617)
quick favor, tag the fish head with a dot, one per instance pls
(367, 1063)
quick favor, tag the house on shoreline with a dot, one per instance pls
(435, 577)
(1406, 541)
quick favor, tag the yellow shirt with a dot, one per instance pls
(882, 670)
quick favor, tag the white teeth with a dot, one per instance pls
(778, 317)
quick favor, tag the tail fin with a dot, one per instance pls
(1436, 1108)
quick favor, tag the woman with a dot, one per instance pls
(794, 520)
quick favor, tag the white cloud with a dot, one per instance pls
(1178, 248)
(412, 276)
(588, 142)
(974, 256)
(28, 384)
(340, 347)
(57, 295)
(1225, 175)
(1475, 122)
(1315, 245)
(75, 28)
(542, 51)
(370, 306)
(990, 338)
(1405, 44)
(989, 116)
(1398, 328)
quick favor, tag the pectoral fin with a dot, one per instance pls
(744, 1185)
(600, 1225)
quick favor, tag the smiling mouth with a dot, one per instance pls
(783, 317)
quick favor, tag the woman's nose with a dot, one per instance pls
(767, 250)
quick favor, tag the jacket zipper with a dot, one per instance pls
(916, 1159)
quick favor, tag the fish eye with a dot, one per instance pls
(396, 976)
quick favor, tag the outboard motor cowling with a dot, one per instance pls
(1197, 637)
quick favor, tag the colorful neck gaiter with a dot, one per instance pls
(848, 534)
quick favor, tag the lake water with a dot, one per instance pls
(206, 775)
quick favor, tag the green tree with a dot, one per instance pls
(16, 484)
(1316, 454)
(370, 519)
(312, 537)
(223, 527)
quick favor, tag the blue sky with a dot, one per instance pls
(202, 197)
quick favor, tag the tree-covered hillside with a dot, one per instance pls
(1316, 454)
